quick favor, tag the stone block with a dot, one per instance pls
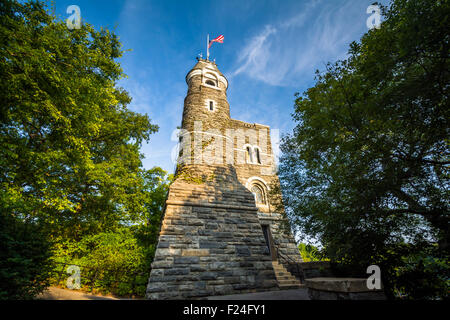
(161, 264)
(243, 251)
(223, 289)
(208, 276)
(156, 287)
(186, 260)
(246, 264)
(232, 280)
(212, 244)
(163, 245)
(241, 286)
(163, 252)
(195, 252)
(165, 279)
(186, 287)
(200, 285)
(197, 268)
(215, 266)
(176, 271)
(223, 235)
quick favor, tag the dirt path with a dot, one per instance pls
(53, 293)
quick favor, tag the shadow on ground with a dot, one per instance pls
(54, 293)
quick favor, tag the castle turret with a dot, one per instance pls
(206, 99)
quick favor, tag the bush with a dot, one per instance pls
(110, 262)
(25, 259)
(424, 274)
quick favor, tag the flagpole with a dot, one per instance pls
(207, 48)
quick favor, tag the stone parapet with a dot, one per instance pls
(342, 289)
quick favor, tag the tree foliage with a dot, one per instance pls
(25, 258)
(124, 254)
(309, 252)
(70, 147)
(365, 170)
(69, 159)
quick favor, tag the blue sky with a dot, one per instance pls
(270, 52)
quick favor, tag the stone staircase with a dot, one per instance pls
(285, 279)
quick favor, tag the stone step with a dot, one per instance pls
(279, 269)
(290, 283)
(284, 278)
(285, 275)
(277, 266)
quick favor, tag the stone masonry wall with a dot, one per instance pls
(210, 241)
(271, 214)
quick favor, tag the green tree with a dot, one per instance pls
(69, 153)
(365, 170)
(156, 187)
(124, 252)
(70, 164)
(309, 252)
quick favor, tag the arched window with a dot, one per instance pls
(258, 192)
(211, 79)
(249, 155)
(258, 156)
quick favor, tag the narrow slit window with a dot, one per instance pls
(211, 106)
(258, 157)
(265, 229)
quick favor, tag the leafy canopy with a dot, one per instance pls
(70, 147)
(365, 170)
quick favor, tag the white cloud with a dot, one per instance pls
(289, 51)
(256, 52)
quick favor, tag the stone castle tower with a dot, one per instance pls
(221, 232)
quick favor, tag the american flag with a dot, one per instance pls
(219, 39)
